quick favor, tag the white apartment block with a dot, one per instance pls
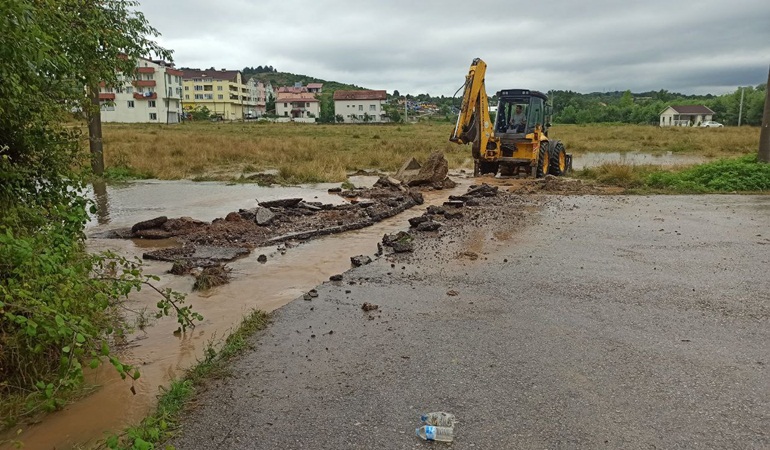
(297, 106)
(153, 96)
(360, 106)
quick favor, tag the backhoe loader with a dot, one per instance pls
(517, 141)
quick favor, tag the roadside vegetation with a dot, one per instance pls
(743, 174)
(61, 309)
(302, 153)
(160, 426)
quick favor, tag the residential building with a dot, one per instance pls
(154, 95)
(223, 92)
(298, 88)
(263, 91)
(315, 88)
(360, 106)
(685, 115)
(302, 105)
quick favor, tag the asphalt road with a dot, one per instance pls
(589, 322)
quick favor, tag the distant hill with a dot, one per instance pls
(278, 79)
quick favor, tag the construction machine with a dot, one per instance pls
(518, 140)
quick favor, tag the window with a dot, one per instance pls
(198, 96)
(130, 103)
(107, 106)
(360, 107)
(220, 97)
(285, 105)
(361, 116)
(187, 96)
(148, 76)
(153, 116)
(307, 105)
(219, 88)
(129, 90)
(372, 107)
(208, 96)
(151, 103)
(187, 88)
(198, 87)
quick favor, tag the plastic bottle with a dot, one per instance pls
(431, 433)
(439, 419)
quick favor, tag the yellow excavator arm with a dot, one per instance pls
(474, 126)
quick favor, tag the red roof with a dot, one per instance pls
(691, 109)
(315, 85)
(360, 95)
(229, 75)
(286, 97)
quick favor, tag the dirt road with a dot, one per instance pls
(578, 322)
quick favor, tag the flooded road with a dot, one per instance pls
(160, 355)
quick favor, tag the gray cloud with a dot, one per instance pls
(427, 46)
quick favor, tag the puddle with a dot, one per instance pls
(591, 159)
(159, 354)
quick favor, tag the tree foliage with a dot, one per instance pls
(59, 306)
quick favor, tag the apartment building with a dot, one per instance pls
(360, 106)
(152, 95)
(223, 92)
(303, 105)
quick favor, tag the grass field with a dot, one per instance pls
(303, 153)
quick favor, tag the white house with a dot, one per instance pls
(360, 106)
(302, 105)
(685, 115)
(154, 96)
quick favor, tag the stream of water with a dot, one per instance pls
(162, 356)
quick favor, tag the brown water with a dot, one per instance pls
(160, 355)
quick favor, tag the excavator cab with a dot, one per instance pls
(520, 112)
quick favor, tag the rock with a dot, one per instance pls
(429, 226)
(360, 260)
(417, 197)
(389, 182)
(484, 190)
(337, 277)
(153, 233)
(452, 293)
(147, 224)
(448, 183)
(470, 255)
(454, 203)
(307, 297)
(414, 221)
(437, 210)
(390, 239)
(248, 214)
(335, 190)
(313, 293)
(453, 215)
(402, 247)
(233, 217)
(182, 225)
(282, 203)
(262, 259)
(309, 206)
(369, 306)
(472, 202)
(264, 216)
(433, 171)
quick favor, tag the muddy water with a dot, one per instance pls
(161, 355)
(590, 159)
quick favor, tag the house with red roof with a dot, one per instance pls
(685, 115)
(360, 106)
(297, 105)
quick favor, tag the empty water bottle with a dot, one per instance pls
(440, 419)
(431, 433)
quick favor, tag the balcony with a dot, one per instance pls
(106, 96)
(145, 70)
(144, 83)
(140, 96)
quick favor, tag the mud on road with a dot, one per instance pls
(540, 321)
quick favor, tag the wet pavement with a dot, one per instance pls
(593, 159)
(560, 322)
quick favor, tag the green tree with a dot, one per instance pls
(327, 108)
(57, 302)
(270, 105)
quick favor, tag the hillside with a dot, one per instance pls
(288, 79)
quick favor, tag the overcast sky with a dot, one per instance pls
(426, 46)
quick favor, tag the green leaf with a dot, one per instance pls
(66, 349)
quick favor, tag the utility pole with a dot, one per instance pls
(740, 109)
(406, 110)
(764, 134)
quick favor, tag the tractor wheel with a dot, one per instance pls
(558, 159)
(488, 167)
(543, 160)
